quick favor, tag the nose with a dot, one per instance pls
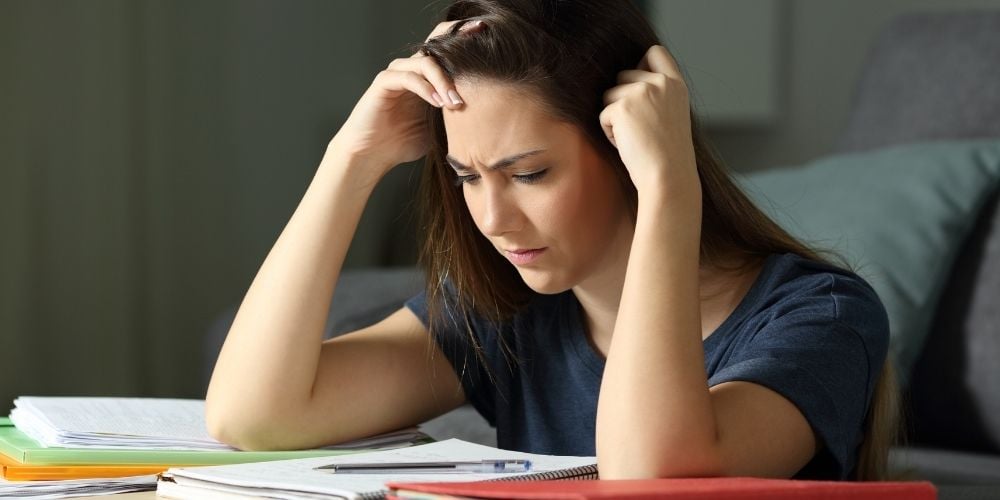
(495, 212)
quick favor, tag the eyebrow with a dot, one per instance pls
(500, 165)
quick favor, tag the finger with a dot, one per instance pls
(616, 93)
(438, 30)
(473, 26)
(606, 123)
(467, 27)
(441, 29)
(396, 82)
(659, 60)
(431, 71)
(637, 75)
(644, 63)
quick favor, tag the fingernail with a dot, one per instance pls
(471, 25)
(438, 99)
(455, 99)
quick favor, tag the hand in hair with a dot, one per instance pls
(647, 117)
(387, 125)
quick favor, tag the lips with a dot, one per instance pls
(523, 256)
(523, 250)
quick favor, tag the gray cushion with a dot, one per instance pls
(932, 75)
(944, 466)
(464, 423)
(928, 76)
(956, 382)
(968, 491)
(363, 297)
(898, 215)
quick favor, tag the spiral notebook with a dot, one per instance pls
(293, 479)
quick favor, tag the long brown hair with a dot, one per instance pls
(564, 55)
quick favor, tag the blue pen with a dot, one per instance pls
(475, 466)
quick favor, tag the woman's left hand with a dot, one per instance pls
(647, 117)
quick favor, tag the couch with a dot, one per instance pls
(934, 76)
(928, 76)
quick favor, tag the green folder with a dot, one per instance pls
(18, 446)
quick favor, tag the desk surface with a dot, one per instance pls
(139, 495)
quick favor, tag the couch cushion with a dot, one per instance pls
(899, 99)
(464, 423)
(898, 215)
(364, 296)
(944, 466)
(955, 389)
(929, 75)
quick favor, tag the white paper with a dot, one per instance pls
(141, 424)
(75, 487)
(298, 475)
(153, 422)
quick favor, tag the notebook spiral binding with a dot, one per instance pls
(582, 472)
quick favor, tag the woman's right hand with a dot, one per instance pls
(388, 124)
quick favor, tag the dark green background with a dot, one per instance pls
(151, 154)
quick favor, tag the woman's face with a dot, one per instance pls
(532, 183)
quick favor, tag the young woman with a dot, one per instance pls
(596, 283)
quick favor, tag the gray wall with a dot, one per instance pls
(151, 152)
(823, 49)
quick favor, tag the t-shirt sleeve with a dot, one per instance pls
(452, 336)
(823, 364)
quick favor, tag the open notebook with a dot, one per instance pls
(293, 479)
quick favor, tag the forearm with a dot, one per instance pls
(655, 415)
(268, 363)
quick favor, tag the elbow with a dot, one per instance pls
(659, 471)
(218, 421)
(673, 462)
(222, 428)
(240, 431)
(245, 436)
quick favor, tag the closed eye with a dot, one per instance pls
(532, 177)
(524, 178)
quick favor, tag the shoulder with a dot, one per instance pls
(804, 289)
(819, 316)
(816, 334)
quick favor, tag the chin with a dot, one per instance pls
(543, 282)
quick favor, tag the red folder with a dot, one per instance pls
(673, 489)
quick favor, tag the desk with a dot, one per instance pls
(139, 495)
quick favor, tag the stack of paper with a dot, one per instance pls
(140, 423)
(65, 447)
(75, 488)
(23, 458)
(164, 424)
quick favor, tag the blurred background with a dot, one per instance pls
(152, 151)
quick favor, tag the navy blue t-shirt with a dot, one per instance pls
(814, 333)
